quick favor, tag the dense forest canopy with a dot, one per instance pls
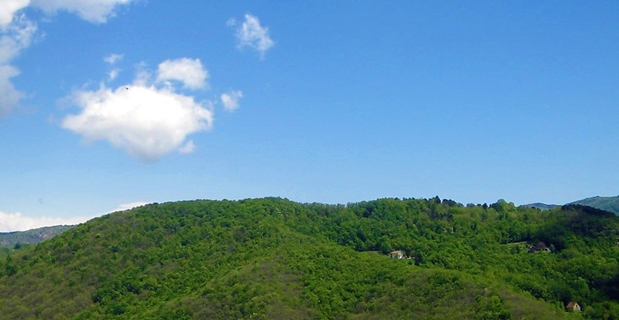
(276, 259)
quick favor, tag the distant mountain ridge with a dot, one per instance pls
(610, 204)
(33, 236)
(542, 206)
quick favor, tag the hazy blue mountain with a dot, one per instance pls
(610, 204)
(542, 206)
(33, 236)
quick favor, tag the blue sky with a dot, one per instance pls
(106, 104)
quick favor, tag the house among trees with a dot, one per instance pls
(397, 254)
(573, 306)
(539, 247)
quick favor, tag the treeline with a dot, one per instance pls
(276, 259)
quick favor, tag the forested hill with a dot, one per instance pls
(276, 259)
(610, 204)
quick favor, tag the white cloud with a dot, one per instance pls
(14, 37)
(113, 58)
(128, 206)
(252, 34)
(231, 100)
(95, 11)
(16, 33)
(113, 74)
(188, 71)
(10, 222)
(9, 96)
(146, 121)
(18, 222)
(8, 8)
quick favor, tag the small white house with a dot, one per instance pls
(573, 306)
(397, 254)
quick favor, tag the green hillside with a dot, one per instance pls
(276, 259)
(610, 204)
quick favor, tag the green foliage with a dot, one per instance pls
(275, 259)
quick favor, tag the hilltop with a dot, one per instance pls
(610, 204)
(542, 206)
(276, 259)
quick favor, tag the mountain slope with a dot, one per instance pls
(610, 204)
(33, 236)
(276, 259)
(542, 206)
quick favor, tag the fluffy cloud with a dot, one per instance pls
(95, 11)
(188, 71)
(251, 34)
(8, 8)
(10, 222)
(145, 120)
(14, 37)
(231, 100)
